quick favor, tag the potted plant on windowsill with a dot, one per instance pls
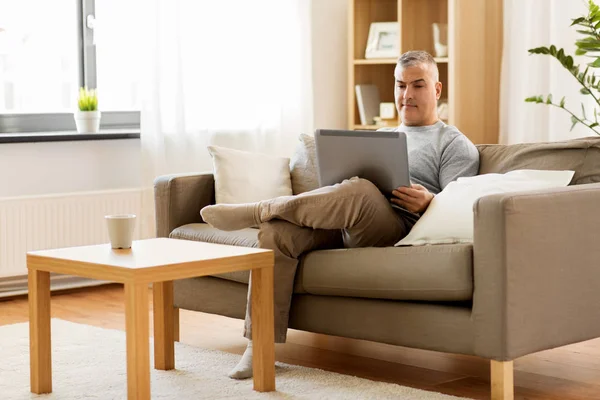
(87, 118)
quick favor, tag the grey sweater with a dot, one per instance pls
(439, 154)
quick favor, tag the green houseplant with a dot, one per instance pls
(87, 117)
(588, 45)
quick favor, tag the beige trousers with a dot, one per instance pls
(351, 214)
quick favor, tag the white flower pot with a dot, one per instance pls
(87, 121)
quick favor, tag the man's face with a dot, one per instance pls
(416, 93)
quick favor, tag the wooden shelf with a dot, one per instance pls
(367, 127)
(376, 61)
(470, 76)
(375, 127)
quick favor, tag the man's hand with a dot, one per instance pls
(415, 198)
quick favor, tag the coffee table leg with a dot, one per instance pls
(39, 332)
(138, 342)
(263, 336)
(164, 325)
(176, 324)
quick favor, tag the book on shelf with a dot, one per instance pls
(367, 99)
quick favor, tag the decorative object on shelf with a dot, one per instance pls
(367, 98)
(440, 39)
(387, 111)
(443, 111)
(383, 41)
(87, 117)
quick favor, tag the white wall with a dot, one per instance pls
(66, 167)
(330, 63)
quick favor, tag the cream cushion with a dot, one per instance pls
(449, 217)
(244, 177)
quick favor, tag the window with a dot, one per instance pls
(46, 55)
(38, 56)
(117, 63)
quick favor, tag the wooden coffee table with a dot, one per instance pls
(156, 261)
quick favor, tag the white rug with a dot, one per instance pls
(89, 363)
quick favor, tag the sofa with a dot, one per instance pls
(530, 280)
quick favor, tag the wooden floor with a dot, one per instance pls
(571, 372)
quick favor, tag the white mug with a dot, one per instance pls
(120, 230)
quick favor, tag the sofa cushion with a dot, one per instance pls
(245, 237)
(449, 217)
(303, 165)
(236, 182)
(579, 155)
(206, 233)
(428, 273)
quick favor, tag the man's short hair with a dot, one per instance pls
(418, 57)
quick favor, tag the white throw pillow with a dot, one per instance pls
(244, 177)
(449, 217)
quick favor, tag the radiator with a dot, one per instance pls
(54, 221)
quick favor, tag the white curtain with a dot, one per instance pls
(234, 73)
(529, 24)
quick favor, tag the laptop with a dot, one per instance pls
(380, 157)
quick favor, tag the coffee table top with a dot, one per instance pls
(150, 260)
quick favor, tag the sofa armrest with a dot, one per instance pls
(178, 200)
(536, 271)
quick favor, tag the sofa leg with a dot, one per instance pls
(502, 380)
(176, 324)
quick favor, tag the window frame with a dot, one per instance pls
(64, 122)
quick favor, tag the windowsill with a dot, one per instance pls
(62, 136)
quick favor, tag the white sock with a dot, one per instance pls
(244, 368)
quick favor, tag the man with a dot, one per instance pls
(354, 213)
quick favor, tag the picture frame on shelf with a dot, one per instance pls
(383, 40)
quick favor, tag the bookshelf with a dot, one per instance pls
(470, 74)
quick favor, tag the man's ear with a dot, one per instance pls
(438, 90)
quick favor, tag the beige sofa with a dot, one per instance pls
(529, 282)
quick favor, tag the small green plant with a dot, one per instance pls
(588, 45)
(88, 99)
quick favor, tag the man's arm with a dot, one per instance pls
(459, 158)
